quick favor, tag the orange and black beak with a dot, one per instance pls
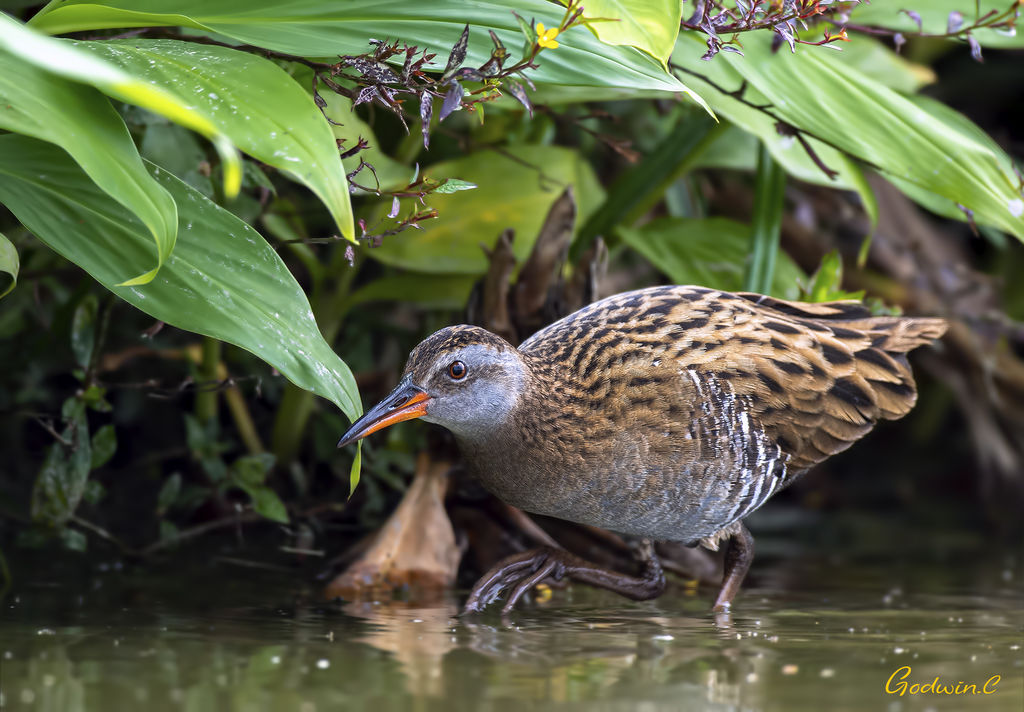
(406, 402)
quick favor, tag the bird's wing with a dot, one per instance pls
(818, 376)
(815, 377)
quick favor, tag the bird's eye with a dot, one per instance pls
(457, 370)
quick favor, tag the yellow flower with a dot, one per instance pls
(546, 38)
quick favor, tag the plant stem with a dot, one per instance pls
(767, 220)
(206, 396)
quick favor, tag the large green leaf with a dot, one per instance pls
(266, 114)
(649, 25)
(313, 28)
(716, 79)
(64, 59)
(813, 91)
(934, 16)
(878, 61)
(515, 189)
(9, 263)
(81, 121)
(710, 252)
(222, 280)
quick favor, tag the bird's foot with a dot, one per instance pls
(737, 561)
(518, 574)
(521, 572)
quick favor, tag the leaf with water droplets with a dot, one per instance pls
(289, 133)
(223, 280)
(584, 63)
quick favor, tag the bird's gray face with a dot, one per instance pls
(471, 389)
(463, 378)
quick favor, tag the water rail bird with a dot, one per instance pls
(667, 413)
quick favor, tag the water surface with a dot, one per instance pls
(822, 626)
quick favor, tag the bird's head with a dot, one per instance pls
(462, 377)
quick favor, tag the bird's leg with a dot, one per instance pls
(738, 555)
(521, 572)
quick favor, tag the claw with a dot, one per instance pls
(521, 572)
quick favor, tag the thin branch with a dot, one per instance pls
(244, 517)
(48, 427)
(104, 534)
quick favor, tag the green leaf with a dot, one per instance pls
(168, 531)
(814, 92)
(515, 190)
(82, 122)
(72, 409)
(178, 150)
(934, 16)
(95, 397)
(61, 481)
(168, 495)
(312, 28)
(104, 445)
(717, 79)
(880, 63)
(826, 284)
(223, 279)
(454, 185)
(251, 470)
(201, 438)
(9, 263)
(93, 493)
(64, 59)
(709, 252)
(648, 25)
(73, 540)
(268, 116)
(266, 503)
(353, 475)
(83, 330)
